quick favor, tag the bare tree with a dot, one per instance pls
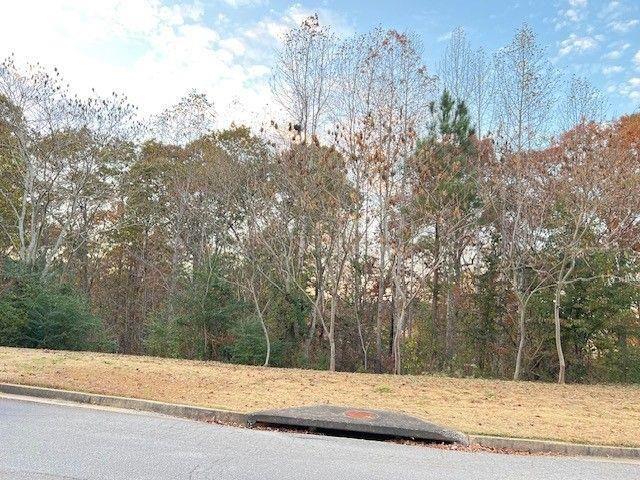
(303, 75)
(482, 92)
(456, 69)
(60, 143)
(413, 87)
(525, 85)
(582, 104)
(468, 76)
(399, 97)
(352, 132)
(190, 118)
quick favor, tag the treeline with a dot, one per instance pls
(393, 220)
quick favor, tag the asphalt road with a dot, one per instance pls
(52, 441)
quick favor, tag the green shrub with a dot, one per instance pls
(249, 346)
(162, 339)
(196, 321)
(13, 323)
(44, 313)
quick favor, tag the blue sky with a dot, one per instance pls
(154, 50)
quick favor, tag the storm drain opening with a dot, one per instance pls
(356, 423)
(358, 434)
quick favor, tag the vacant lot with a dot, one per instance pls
(604, 414)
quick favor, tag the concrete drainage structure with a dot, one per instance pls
(358, 423)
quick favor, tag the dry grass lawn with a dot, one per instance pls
(601, 414)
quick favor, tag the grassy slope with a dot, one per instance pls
(604, 414)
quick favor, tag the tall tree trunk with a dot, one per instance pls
(398, 308)
(452, 308)
(318, 305)
(450, 326)
(382, 264)
(267, 355)
(556, 316)
(204, 342)
(392, 323)
(380, 307)
(397, 340)
(316, 313)
(332, 339)
(560, 285)
(357, 301)
(175, 256)
(522, 308)
(260, 313)
(435, 300)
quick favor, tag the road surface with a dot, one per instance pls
(53, 441)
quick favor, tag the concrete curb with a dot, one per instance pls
(247, 420)
(174, 410)
(549, 446)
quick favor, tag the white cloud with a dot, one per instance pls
(154, 51)
(444, 37)
(636, 59)
(150, 51)
(617, 49)
(572, 14)
(271, 29)
(631, 89)
(613, 55)
(612, 69)
(575, 12)
(234, 45)
(244, 3)
(575, 44)
(611, 10)
(622, 26)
